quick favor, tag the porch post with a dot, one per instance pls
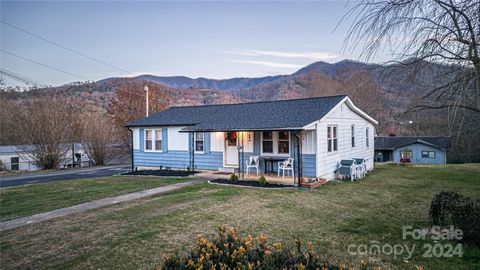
(191, 137)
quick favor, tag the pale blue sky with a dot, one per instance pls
(196, 39)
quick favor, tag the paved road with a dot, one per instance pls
(67, 174)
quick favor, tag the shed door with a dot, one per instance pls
(231, 152)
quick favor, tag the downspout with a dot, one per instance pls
(299, 154)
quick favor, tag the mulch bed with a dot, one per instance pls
(160, 173)
(249, 183)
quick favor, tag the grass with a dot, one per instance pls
(135, 235)
(28, 200)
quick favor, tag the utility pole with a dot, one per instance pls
(146, 99)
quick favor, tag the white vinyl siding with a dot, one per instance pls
(342, 117)
(177, 141)
(309, 142)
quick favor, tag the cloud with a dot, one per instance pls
(267, 63)
(282, 54)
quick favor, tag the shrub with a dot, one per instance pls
(2, 166)
(450, 208)
(262, 180)
(233, 177)
(228, 250)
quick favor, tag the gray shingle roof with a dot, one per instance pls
(393, 142)
(283, 114)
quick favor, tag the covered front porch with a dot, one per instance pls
(250, 153)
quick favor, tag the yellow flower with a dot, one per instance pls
(262, 238)
(300, 266)
(241, 250)
(190, 263)
(277, 246)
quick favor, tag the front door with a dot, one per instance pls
(231, 152)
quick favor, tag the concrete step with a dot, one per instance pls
(228, 169)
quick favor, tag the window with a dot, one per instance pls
(267, 142)
(353, 135)
(148, 139)
(199, 142)
(367, 138)
(158, 139)
(428, 154)
(14, 163)
(283, 142)
(153, 140)
(332, 140)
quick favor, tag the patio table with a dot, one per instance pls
(271, 160)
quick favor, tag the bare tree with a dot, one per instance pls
(45, 128)
(97, 136)
(444, 32)
(129, 104)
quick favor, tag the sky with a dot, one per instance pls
(196, 39)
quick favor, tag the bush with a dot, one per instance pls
(2, 166)
(233, 177)
(228, 250)
(262, 180)
(450, 208)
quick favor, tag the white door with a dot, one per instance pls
(231, 152)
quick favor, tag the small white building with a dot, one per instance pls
(316, 133)
(12, 158)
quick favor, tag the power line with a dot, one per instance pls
(20, 78)
(45, 65)
(65, 47)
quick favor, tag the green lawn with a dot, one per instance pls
(28, 200)
(135, 235)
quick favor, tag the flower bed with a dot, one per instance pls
(162, 172)
(313, 183)
(247, 183)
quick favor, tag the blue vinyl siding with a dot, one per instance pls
(309, 167)
(178, 159)
(164, 140)
(206, 143)
(417, 148)
(142, 139)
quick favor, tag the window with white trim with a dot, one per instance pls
(283, 142)
(332, 140)
(267, 142)
(428, 154)
(353, 136)
(148, 139)
(367, 137)
(153, 140)
(199, 141)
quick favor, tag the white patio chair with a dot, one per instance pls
(252, 163)
(360, 167)
(286, 165)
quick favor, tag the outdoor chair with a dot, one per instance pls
(252, 163)
(347, 168)
(286, 165)
(361, 167)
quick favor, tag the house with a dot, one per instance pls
(12, 158)
(419, 149)
(316, 132)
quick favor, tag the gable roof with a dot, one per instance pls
(393, 142)
(269, 115)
